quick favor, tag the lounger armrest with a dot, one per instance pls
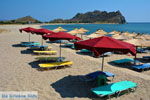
(109, 74)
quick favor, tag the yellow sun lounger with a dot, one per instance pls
(55, 64)
(44, 52)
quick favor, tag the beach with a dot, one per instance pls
(19, 70)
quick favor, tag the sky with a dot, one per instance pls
(46, 10)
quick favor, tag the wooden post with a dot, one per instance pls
(42, 42)
(29, 37)
(60, 49)
(135, 56)
(102, 62)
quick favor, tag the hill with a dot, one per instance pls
(22, 20)
(95, 17)
(27, 19)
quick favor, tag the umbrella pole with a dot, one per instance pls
(102, 62)
(135, 56)
(42, 42)
(29, 37)
(60, 49)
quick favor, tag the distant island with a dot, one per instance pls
(99, 17)
(95, 17)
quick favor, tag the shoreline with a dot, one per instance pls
(58, 23)
(78, 23)
(108, 25)
(41, 26)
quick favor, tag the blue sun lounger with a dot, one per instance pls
(37, 47)
(142, 66)
(141, 50)
(114, 88)
(92, 76)
(146, 57)
(126, 60)
(97, 73)
(69, 45)
(85, 51)
(27, 42)
(30, 44)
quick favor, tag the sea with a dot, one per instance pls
(129, 27)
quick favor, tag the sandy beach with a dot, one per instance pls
(19, 71)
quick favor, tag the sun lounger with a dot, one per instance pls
(55, 65)
(39, 46)
(146, 57)
(43, 47)
(126, 60)
(46, 59)
(92, 76)
(27, 42)
(141, 66)
(30, 44)
(73, 47)
(73, 40)
(107, 53)
(85, 51)
(97, 73)
(58, 41)
(68, 44)
(141, 50)
(114, 88)
(45, 52)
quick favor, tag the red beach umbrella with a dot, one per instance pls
(61, 36)
(28, 30)
(104, 44)
(42, 31)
